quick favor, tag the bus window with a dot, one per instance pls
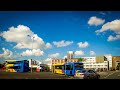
(15, 67)
(78, 65)
(59, 67)
(16, 62)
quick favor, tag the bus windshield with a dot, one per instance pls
(59, 67)
(16, 62)
(14, 67)
(78, 65)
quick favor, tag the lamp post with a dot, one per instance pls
(32, 49)
(65, 65)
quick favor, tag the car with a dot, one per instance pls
(86, 74)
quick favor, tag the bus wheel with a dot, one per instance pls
(88, 77)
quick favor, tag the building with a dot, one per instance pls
(70, 54)
(62, 61)
(100, 59)
(91, 63)
(109, 59)
(98, 63)
(34, 63)
(115, 62)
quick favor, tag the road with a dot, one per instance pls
(29, 75)
(110, 75)
(50, 75)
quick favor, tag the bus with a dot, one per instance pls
(17, 66)
(71, 67)
(58, 68)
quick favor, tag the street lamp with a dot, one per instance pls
(32, 49)
(65, 65)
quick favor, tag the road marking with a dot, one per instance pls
(109, 75)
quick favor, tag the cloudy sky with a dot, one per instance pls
(42, 35)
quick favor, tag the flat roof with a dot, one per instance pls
(13, 60)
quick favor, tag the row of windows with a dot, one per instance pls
(68, 67)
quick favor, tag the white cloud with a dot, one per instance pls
(79, 53)
(92, 53)
(35, 52)
(62, 43)
(64, 57)
(113, 26)
(48, 45)
(7, 54)
(53, 55)
(83, 45)
(111, 38)
(95, 21)
(102, 13)
(19, 35)
(48, 59)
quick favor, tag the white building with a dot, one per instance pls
(90, 63)
(34, 63)
(109, 58)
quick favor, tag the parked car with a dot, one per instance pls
(86, 74)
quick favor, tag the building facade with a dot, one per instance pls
(115, 62)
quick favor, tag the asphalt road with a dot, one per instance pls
(50, 75)
(29, 75)
(110, 75)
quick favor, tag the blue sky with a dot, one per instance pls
(55, 26)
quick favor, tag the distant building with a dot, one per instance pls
(34, 63)
(105, 62)
(115, 62)
(70, 54)
(109, 59)
(100, 59)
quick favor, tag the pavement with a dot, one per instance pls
(29, 75)
(50, 75)
(110, 75)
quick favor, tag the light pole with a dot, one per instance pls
(65, 65)
(31, 50)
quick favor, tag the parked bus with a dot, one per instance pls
(17, 66)
(58, 68)
(71, 67)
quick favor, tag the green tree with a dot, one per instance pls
(80, 60)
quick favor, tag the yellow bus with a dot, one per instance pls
(58, 68)
(9, 64)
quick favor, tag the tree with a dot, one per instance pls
(80, 60)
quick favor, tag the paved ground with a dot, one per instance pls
(29, 75)
(110, 75)
(50, 75)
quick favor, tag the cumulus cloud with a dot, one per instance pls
(83, 44)
(62, 43)
(95, 21)
(112, 38)
(92, 53)
(7, 54)
(24, 38)
(112, 26)
(53, 55)
(48, 59)
(79, 53)
(48, 45)
(35, 52)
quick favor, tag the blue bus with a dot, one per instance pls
(17, 66)
(71, 67)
